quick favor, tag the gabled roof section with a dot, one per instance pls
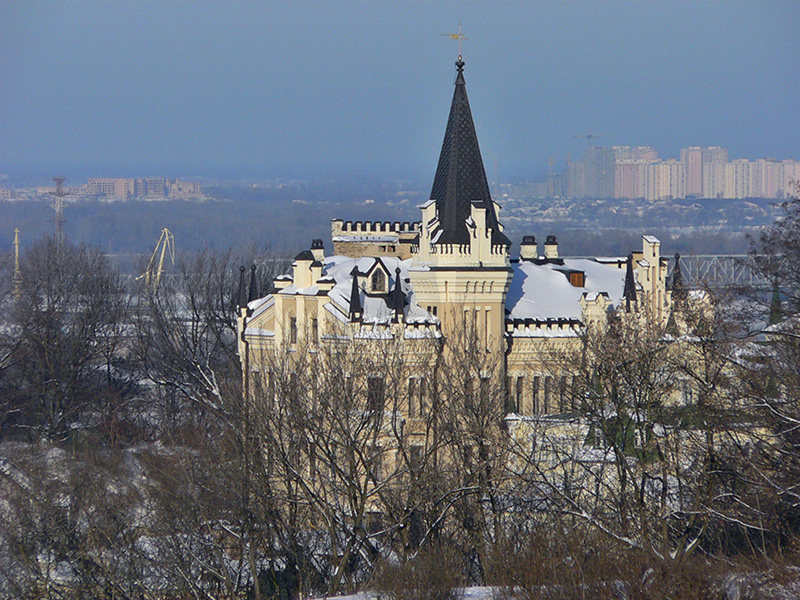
(460, 177)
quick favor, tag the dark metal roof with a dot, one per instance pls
(242, 296)
(356, 308)
(460, 176)
(629, 292)
(253, 285)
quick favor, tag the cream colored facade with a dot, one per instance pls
(449, 281)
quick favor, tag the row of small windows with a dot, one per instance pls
(523, 395)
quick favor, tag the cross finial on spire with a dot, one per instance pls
(457, 36)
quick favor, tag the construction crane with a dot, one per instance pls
(589, 137)
(155, 268)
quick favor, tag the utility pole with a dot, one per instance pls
(58, 206)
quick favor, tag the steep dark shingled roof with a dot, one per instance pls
(253, 285)
(242, 296)
(460, 177)
(629, 292)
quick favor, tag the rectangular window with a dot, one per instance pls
(548, 385)
(518, 395)
(293, 387)
(563, 405)
(686, 391)
(270, 388)
(293, 330)
(510, 395)
(375, 394)
(412, 398)
(314, 329)
(375, 464)
(484, 388)
(312, 464)
(535, 396)
(416, 455)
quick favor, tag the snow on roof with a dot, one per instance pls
(651, 239)
(259, 306)
(376, 308)
(374, 333)
(541, 332)
(258, 332)
(610, 259)
(421, 334)
(543, 291)
(336, 312)
(255, 305)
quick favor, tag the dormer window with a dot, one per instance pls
(378, 281)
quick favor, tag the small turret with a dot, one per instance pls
(318, 249)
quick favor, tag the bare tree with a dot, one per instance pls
(66, 330)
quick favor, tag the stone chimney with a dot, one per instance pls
(551, 247)
(528, 249)
(318, 249)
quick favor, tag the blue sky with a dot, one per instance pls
(363, 88)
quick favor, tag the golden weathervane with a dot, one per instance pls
(457, 36)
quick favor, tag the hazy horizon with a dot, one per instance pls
(324, 89)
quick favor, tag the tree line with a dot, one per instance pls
(135, 464)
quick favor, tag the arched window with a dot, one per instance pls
(378, 281)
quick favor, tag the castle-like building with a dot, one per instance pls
(414, 284)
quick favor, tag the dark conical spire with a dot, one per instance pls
(398, 299)
(630, 285)
(355, 297)
(460, 177)
(253, 285)
(242, 295)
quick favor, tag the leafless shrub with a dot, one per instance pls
(433, 574)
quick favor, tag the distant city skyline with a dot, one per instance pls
(346, 88)
(700, 172)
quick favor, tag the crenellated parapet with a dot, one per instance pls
(542, 328)
(341, 227)
(375, 238)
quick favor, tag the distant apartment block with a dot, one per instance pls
(7, 194)
(148, 187)
(184, 189)
(637, 172)
(635, 153)
(114, 187)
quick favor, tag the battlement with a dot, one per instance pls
(552, 327)
(375, 238)
(339, 227)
